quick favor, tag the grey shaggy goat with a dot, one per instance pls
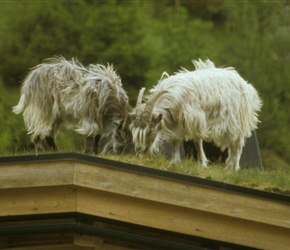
(89, 100)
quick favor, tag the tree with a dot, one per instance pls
(33, 31)
(177, 38)
(142, 39)
(114, 33)
(259, 49)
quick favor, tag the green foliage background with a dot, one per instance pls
(142, 39)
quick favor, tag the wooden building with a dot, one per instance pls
(72, 201)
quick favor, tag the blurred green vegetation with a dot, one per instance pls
(142, 39)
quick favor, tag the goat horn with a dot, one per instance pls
(150, 104)
(140, 97)
(124, 122)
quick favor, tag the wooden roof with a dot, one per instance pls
(59, 188)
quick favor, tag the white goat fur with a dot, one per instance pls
(88, 99)
(211, 104)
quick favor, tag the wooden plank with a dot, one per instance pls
(40, 200)
(38, 241)
(97, 243)
(36, 174)
(182, 220)
(73, 247)
(58, 241)
(184, 195)
(145, 187)
(54, 247)
(72, 186)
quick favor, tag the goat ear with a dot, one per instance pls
(157, 119)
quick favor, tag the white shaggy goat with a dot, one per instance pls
(211, 104)
(90, 100)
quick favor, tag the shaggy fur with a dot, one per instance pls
(90, 100)
(210, 104)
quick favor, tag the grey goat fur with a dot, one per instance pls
(89, 100)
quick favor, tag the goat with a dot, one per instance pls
(211, 104)
(90, 100)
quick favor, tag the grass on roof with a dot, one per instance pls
(273, 180)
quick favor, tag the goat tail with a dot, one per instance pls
(21, 105)
(37, 103)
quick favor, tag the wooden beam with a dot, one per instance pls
(39, 200)
(53, 247)
(182, 220)
(185, 195)
(95, 243)
(73, 247)
(22, 175)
